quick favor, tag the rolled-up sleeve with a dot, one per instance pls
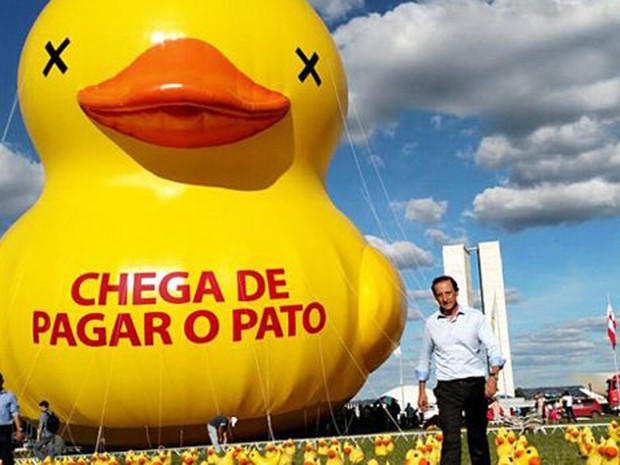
(423, 369)
(485, 333)
(13, 406)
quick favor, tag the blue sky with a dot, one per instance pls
(472, 121)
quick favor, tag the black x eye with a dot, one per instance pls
(55, 59)
(309, 67)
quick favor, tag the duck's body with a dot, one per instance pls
(244, 284)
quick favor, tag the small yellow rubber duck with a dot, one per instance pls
(527, 456)
(610, 454)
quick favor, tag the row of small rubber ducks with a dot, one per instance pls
(605, 451)
(322, 452)
(514, 450)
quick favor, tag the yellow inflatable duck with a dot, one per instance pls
(354, 452)
(241, 455)
(285, 457)
(610, 454)
(613, 431)
(212, 457)
(582, 441)
(228, 458)
(271, 450)
(389, 443)
(258, 459)
(593, 456)
(309, 452)
(185, 223)
(433, 449)
(323, 447)
(381, 449)
(505, 460)
(334, 457)
(289, 447)
(572, 434)
(416, 457)
(527, 456)
(502, 446)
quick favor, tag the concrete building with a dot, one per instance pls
(457, 263)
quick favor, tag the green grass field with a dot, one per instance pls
(553, 449)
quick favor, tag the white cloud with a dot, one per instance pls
(414, 314)
(436, 121)
(334, 9)
(405, 255)
(560, 345)
(421, 294)
(409, 148)
(439, 237)
(425, 210)
(567, 140)
(21, 182)
(517, 62)
(541, 75)
(513, 296)
(376, 161)
(515, 208)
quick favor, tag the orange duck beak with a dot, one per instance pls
(183, 93)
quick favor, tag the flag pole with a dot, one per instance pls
(613, 348)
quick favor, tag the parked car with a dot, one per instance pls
(584, 407)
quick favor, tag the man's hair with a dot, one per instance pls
(443, 278)
(44, 403)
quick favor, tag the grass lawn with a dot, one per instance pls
(553, 449)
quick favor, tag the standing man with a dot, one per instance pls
(220, 430)
(453, 338)
(9, 415)
(567, 403)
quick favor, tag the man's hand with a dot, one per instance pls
(422, 400)
(19, 435)
(490, 388)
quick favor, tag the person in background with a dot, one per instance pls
(454, 337)
(540, 405)
(495, 411)
(567, 403)
(48, 442)
(410, 420)
(9, 416)
(220, 430)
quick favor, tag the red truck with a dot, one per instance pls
(613, 392)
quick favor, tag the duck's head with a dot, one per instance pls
(230, 94)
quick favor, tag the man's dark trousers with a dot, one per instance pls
(6, 444)
(454, 398)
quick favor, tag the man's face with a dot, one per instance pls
(445, 295)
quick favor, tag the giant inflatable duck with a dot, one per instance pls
(184, 259)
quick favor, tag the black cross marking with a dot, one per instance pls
(55, 59)
(309, 65)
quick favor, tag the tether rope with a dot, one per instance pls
(9, 119)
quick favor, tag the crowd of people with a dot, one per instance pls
(553, 410)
